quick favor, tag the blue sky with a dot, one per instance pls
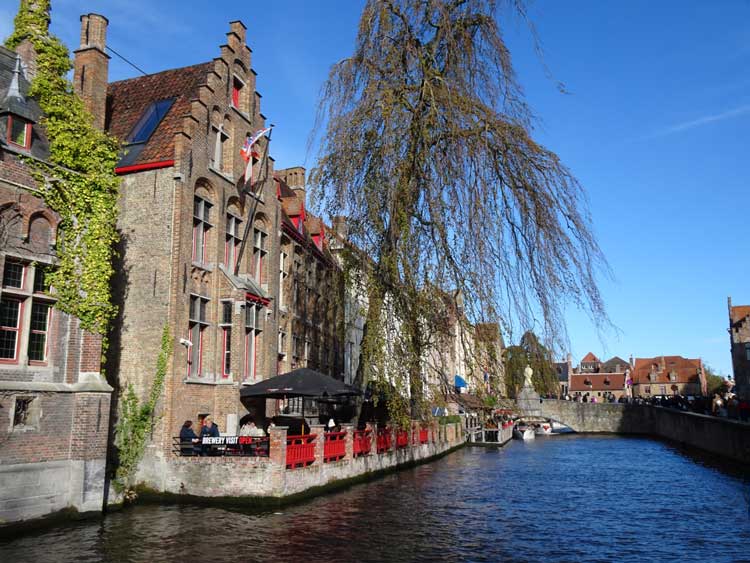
(655, 125)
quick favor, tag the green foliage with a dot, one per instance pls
(450, 419)
(136, 419)
(715, 383)
(78, 182)
(533, 353)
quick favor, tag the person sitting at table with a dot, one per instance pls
(209, 430)
(188, 439)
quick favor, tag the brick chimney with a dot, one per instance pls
(295, 179)
(91, 66)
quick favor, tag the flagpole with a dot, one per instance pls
(251, 216)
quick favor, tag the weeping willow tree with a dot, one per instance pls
(428, 152)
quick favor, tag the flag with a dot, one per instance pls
(247, 151)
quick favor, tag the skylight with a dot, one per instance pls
(149, 121)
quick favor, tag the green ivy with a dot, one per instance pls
(136, 421)
(78, 182)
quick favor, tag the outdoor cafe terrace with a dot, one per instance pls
(317, 447)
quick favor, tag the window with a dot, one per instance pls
(221, 139)
(201, 225)
(149, 121)
(233, 240)
(672, 376)
(40, 315)
(237, 86)
(226, 336)
(24, 333)
(10, 327)
(196, 329)
(14, 274)
(253, 328)
(307, 348)
(282, 278)
(647, 390)
(296, 347)
(663, 389)
(282, 343)
(259, 253)
(19, 131)
(26, 413)
(747, 351)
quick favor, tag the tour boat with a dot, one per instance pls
(522, 431)
(543, 429)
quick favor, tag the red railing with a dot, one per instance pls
(424, 436)
(402, 439)
(362, 442)
(300, 450)
(334, 448)
(385, 440)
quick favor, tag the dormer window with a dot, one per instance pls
(19, 132)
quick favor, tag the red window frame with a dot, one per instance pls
(237, 86)
(226, 347)
(44, 332)
(27, 134)
(17, 329)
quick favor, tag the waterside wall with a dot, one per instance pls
(265, 477)
(727, 438)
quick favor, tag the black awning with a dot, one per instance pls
(302, 382)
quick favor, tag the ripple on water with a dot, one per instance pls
(563, 499)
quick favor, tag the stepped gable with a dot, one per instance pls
(127, 101)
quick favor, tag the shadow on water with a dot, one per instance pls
(577, 498)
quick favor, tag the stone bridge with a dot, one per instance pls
(720, 436)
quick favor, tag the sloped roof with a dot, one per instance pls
(598, 381)
(127, 100)
(589, 358)
(739, 313)
(611, 364)
(685, 369)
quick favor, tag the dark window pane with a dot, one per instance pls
(206, 209)
(197, 207)
(40, 279)
(39, 314)
(21, 413)
(228, 350)
(37, 345)
(18, 131)
(9, 309)
(8, 344)
(13, 274)
(202, 317)
(193, 307)
(226, 314)
(149, 121)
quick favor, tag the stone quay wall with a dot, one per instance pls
(727, 438)
(269, 477)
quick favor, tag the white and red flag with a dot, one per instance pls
(247, 151)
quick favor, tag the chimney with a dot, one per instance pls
(341, 226)
(91, 66)
(295, 179)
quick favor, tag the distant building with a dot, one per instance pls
(564, 370)
(739, 340)
(668, 375)
(600, 379)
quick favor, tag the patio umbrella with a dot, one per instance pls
(302, 382)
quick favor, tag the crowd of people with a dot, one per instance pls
(725, 404)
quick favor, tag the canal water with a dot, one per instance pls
(564, 498)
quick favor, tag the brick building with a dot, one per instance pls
(226, 255)
(668, 375)
(600, 379)
(54, 403)
(739, 340)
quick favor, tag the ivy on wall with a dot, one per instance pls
(78, 182)
(136, 421)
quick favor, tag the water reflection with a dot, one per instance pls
(569, 498)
